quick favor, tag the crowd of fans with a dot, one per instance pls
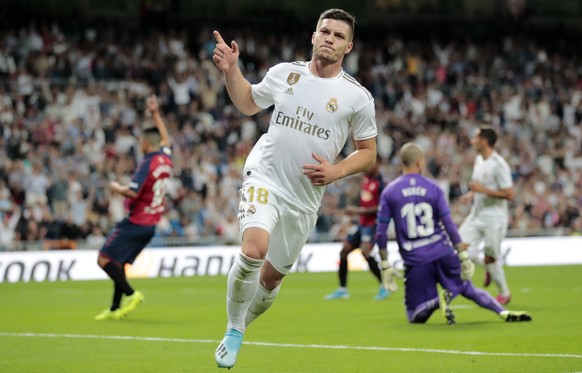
(72, 108)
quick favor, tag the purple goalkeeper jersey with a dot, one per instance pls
(418, 206)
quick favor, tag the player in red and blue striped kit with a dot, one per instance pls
(363, 234)
(145, 204)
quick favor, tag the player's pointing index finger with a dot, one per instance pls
(218, 37)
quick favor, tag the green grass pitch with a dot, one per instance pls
(49, 327)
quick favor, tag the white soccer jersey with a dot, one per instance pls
(311, 115)
(493, 173)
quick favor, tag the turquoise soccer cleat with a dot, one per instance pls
(228, 349)
(382, 294)
(340, 293)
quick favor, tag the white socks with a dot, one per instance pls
(242, 285)
(260, 303)
(497, 274)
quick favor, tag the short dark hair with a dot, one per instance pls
(489, 134)
(340, 15)
(152, 136)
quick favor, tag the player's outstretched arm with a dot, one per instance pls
(154, 108)
(239, 89)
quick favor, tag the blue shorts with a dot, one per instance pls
(361, 235)
(126, 241)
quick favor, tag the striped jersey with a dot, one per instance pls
(149, 182)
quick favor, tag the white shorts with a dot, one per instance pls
(288, 227)
(481, 235)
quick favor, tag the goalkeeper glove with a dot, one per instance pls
(388, 274)
(467, 266)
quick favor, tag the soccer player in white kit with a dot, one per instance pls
(486, 225)
(317, 107)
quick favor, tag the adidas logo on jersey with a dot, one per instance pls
(289, 91)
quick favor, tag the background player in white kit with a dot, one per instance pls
(486, 224)
(317, 107)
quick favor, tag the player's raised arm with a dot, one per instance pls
(239, 89)
(154, 108)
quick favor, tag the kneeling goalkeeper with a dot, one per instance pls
(430, 245)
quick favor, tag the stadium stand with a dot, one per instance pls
(72, 101)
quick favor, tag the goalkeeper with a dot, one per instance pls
(430, 245)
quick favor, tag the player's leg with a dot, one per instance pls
(113, 254)
(421, 297)
(350, 243)
(120, 285)
(450, 278)
(242, 286)
(257, 218)
(287, 241)
(366, 246)
(113, 312)
(111, 259)
(243, 277)
(269, 286)
(474, 235)
(481, 297)
(135, 240)
(493, 264)
(485, 300)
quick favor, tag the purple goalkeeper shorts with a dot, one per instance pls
(421, 280)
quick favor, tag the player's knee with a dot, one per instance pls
(346, 250)
(254, 251)
(417, 319)
(102, 261)
(489, 259)
(366, 251)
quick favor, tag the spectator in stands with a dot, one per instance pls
(8, 222)
(420, 88)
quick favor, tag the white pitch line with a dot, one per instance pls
(293, 345)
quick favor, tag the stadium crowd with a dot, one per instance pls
(72, 105)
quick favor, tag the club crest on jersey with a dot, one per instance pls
(293, 78)
(332, 105)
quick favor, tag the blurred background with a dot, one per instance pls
(74, 76)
